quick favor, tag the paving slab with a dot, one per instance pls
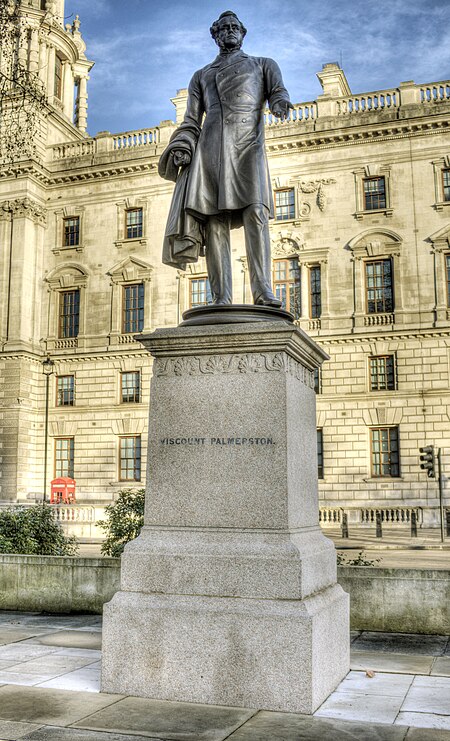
(392, 662)
(19, 652)
(11, 634)
(81, 680)
(53, 664)
(269, 726)
(429, 695)
(441, 666)
(49, 706)
(11, 731)
(423, 720)
(392, 685)
(71, 639)
(22, 678)
(404, 643)
(50, 733)
(427, 734)
(357, 707)
(177, 721)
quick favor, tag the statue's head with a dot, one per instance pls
(228, 32)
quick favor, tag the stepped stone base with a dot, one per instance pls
(229, 594)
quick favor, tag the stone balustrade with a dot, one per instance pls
(434, 92)
(364, 103)
(367, 102)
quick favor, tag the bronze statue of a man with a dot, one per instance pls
(218, 160)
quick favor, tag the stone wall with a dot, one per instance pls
(390, 600)
(57, 583)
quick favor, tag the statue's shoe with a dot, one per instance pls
(269, 301)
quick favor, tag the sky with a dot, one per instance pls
(146, 50)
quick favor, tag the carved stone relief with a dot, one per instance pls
(245, 363)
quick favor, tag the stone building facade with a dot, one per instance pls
(361, 255)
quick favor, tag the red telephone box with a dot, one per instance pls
(62, 491)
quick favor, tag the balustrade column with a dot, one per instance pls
(82, 104)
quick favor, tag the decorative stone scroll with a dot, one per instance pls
(317, 186)
(246, 363)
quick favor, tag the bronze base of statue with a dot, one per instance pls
(234, 314)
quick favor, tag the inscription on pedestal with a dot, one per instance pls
(228, 441)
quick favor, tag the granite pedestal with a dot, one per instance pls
(229, 595)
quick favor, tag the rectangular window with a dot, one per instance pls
(320, 453)
(65, 391)
(447, 267)
(199, 292)
(71, 231)
(385, 452)
(315, 292)
(379, 289)
(130, 458)
(133, 308)
(446, 184)
(58, 78)
(284, 204)
(286, 285)
(69, 313)
(134, 223)
(382, 376)
(64, 456)
(374, 194)
(131, 387)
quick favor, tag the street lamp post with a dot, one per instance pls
(47, 369)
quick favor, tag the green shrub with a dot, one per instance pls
(34, 531)
(124, 520)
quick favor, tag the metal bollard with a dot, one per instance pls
(379, 532)
(413, 525)
(344, 526)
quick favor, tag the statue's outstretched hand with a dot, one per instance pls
(181, 158)
(281, 109)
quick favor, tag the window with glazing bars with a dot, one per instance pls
(379, 288)
(65, 391)
(134, 223)
(64, 457)
(320, 453)
(284, 204)
(374, 194)
(315, 292)
(385, 452)
(286, 284)
(382, 376)
(58, 78)
(69, 313)
(317, 380)
(133, 308)
(71, 231)
(199, 292)
(131, 386)
(446, 184)
(130, 458)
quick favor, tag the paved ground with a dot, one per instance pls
(398, 689)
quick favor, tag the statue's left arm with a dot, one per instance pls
(276, 93)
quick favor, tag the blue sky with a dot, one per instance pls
(145, 50)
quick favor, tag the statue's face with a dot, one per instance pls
(229, 33)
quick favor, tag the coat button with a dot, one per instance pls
(239, 95)
(244, 120)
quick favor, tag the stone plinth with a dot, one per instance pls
(229, 594)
